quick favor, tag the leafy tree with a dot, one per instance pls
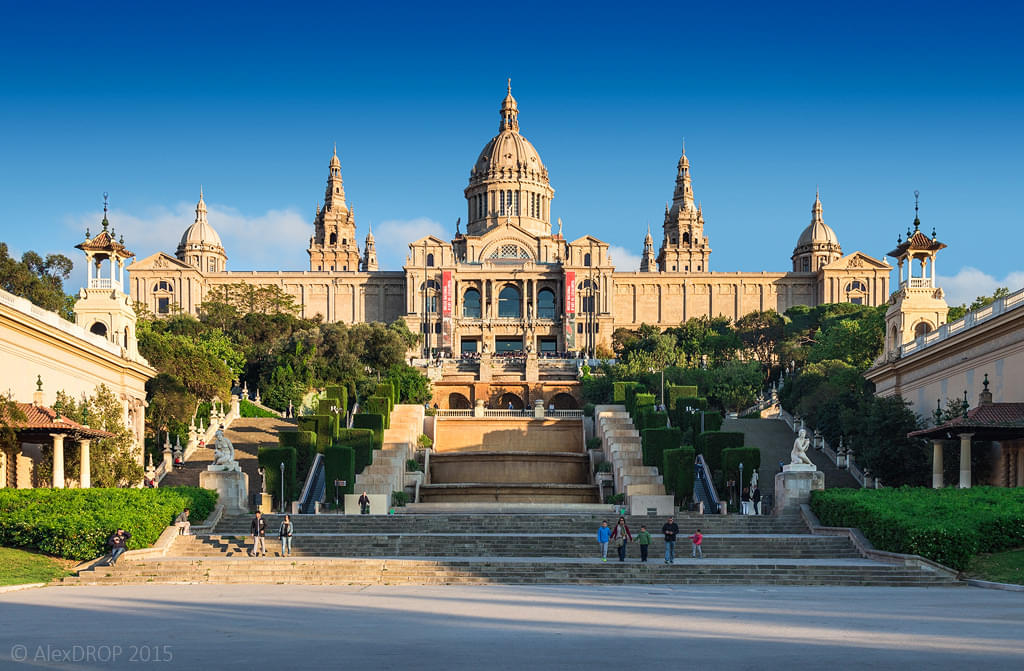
(760, 333)
(958, 311)
(878, 434)
(112, 461)
(10, 416)
(38, 279)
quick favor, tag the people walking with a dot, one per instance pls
(622, 537)
(670, 529)
(181, 521)
(643, 539)
(755, 499)
(603, 534)
(698, 540)
(286, 531)
(118, 543)
(364, 504)
(258, 528)
(745, 501)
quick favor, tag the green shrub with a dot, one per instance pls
(603, 467)
(588, 409)
(249, 409)
(413, 466)
(387, 390)
(322, 426)
(340, 394)
(339, 464)
(594, 443)
(945, 525)
(361, 442)
(378, 405)
(296, 438)
(654, 442)
(424, 441)
(650, 419)
(711, 444)
(619, 393)
(641, 403)
(327, 407)
(375, 423)
(270, 459)
(712, 420)
(678, 472)
(399, 499)
(615, 499)
(675, 393)
(75, 523)
(732, 457)
(632, 389)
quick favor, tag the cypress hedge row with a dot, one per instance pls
(361, 442)
(732, 457)
(339, 464)
(374, 423)
(270, 459)
(654, 442)
(675, 393)
(678, 472)
(378, 405)
(711, 444)
(340, 395)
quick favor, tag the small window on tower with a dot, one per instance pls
(334, 238)
(430, 260)
(686, 238)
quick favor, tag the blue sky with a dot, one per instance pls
(867, 101)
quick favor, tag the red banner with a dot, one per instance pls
(446, 308)
(570, 292)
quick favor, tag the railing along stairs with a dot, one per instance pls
(314, 488)
(703, 487)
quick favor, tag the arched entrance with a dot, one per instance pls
(564, 401)
(457, 401)
(510, 399)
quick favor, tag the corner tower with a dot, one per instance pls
(333, 245)
(508, 180)
(684, 248)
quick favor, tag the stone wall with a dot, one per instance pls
(457, 434)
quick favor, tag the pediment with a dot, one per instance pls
(857, 261)
(588, 240)
(430, 241)
(159, 261)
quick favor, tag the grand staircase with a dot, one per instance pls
(510, 549)
(387, 472)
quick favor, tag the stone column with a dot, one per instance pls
(937, 464)
(86, 471)
(965, 460)
(58, 460)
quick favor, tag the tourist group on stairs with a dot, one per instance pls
(622, 537)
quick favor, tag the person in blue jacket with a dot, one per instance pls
(604, 532)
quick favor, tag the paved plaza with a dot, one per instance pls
(510, 627)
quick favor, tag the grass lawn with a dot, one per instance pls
(999, 567)
(18, 567)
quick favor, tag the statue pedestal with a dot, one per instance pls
(232, 489)
(266, 503)
(793, 486)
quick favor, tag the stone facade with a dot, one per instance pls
(510, 283)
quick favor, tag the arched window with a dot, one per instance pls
(921, 329)
(211, 265)
(856, 291)
(586, 259)
(334, 239)
(546, 304)
(126, 335)
(99, 328)
(856, 285)
(509, 303)
(686, 238)
(430, 260)
(471, 304)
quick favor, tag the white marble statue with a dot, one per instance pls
(223, 453)
(799, 453)
(753, 480)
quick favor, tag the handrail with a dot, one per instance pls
(312, 490)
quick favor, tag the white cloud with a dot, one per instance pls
(276, 239)
(394, 235)
(624, 259)
(969, 283)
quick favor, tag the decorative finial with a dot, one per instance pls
(335, 148)
(105, 222)
(559, 227)
(965, 405)
(938, 411)
(39, 382)
(684, 146)
(985, 382)
(917, 220)
(510, 86)
(120, 240)
(933, 233)
(87, 236)
(200, 192)
(817, 192)
(899, 239)
(458, 223)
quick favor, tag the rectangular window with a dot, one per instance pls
(579, 327)
(163, 305)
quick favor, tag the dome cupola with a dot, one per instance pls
(818, 245)
(200, 245)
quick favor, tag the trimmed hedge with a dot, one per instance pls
(945, 525)
(387, 390)
(75, 523)
(339, 464)
(339, 394)
(732, 457)
(247, 408)
(711, 444)
(304, 444)
(375, 423)
(337, 418)
(270, 459)
(619, 391)
(361, 442)
(678, 471)
(650, 419)
(654, 442)
(712, 420)
(322, 426)
(379, 405)
(640, 403)
(673, 393)
(297, 438)
(632, 390)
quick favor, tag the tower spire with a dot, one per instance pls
(105, 222)
(683, 196)
(201, 207)
(509, 111)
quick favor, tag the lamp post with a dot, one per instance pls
(282, 486)
(740, 488)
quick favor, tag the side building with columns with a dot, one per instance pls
(43, 354)
(512, 282)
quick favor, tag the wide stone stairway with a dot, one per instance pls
(510, 549)
(387, 472)
(246, 435)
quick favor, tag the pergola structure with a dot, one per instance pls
(988, 421)
(42, 425)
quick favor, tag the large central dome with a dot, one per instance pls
(508, 181)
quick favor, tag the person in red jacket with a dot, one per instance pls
(621, 536)
(698, 539)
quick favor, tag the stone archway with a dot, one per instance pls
(564, 401)
(457, 401)
(509, 398)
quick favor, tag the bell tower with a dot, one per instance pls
(684, 248)
(918, 305)
(333, 245)
(103, 307)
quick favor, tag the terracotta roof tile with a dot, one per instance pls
(41, 418)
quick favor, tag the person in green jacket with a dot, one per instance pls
(643, 539)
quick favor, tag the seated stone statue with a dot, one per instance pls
(799, 453)
(223, 453)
